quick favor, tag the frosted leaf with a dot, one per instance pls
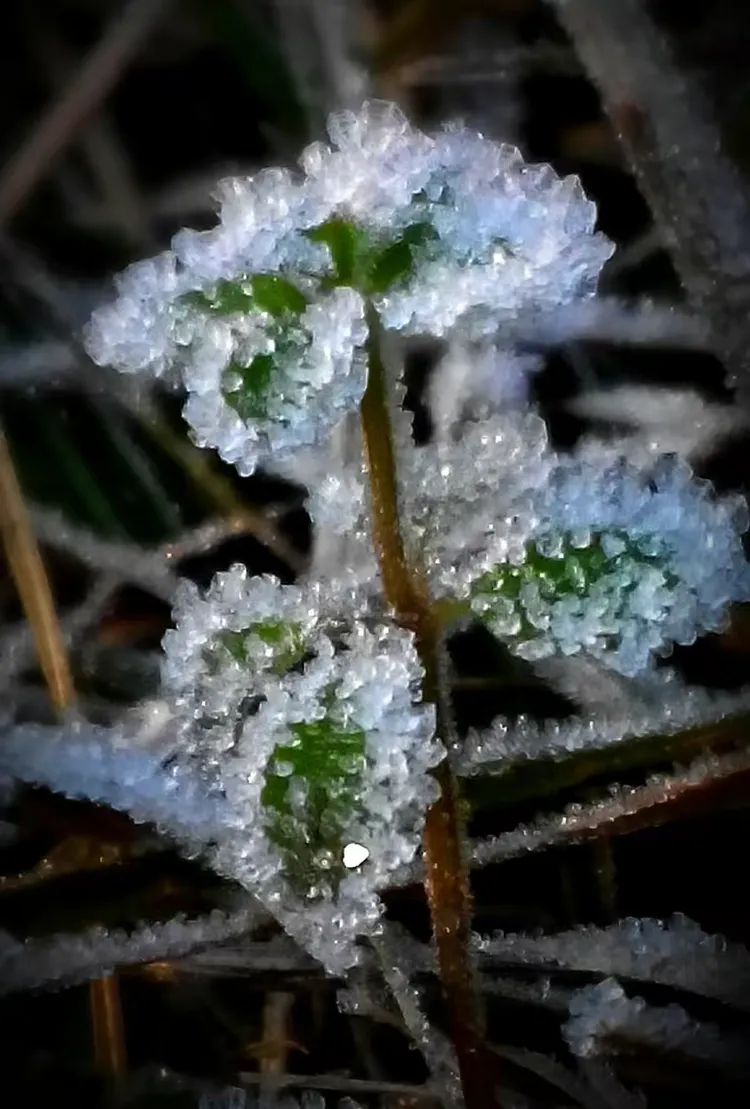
(315, 737)
(510, 236)
(658, 421)
(613, 562)
(260, 389)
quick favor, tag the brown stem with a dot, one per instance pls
(447, 883)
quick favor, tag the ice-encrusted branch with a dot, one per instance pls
(605, 1021)
(612, 320)
(625, 808)
(668, 707)
(111, 767)
(437, 1050)
(68, 959)
(135, 565)
(674, 149)
(675, 953)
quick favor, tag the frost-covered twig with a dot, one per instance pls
(612, 320)
(437, 1050)
(68, 959)
(127, 561)
(625, 808)
(558, 1076)
(676, 953)
(668, 708)
(17, 650)
(109, 766)
(674, 148)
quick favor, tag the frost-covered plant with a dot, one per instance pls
(316, 715)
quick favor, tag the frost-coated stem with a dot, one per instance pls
(674, 150)
(446, 873)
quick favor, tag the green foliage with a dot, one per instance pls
(395, 262)
(348, 246)
(247, 388)
(571, 573)
(308, 807)
(285, 638)
(266, 292)
(370, 267)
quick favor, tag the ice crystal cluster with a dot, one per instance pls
(298, 708)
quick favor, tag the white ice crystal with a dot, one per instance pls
(604, 1020)
(309, 724)
(432, 230)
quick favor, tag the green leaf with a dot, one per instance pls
(311, 802)
(267, 292)
(348, 246)
(394, 262)
(285, 638)
(366, 265)
(249, 398)
(227, 298)
(277, 296)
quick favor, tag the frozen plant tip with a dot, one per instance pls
(264, 317)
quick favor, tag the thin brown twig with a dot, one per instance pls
(92, 81)
(30, 578)
(31, 581)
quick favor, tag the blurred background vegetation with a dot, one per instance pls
(116, 119)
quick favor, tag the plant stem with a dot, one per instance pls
(446, 883)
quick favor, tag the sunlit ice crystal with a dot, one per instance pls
(376, 162)
(617, 563)
(308, 721)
